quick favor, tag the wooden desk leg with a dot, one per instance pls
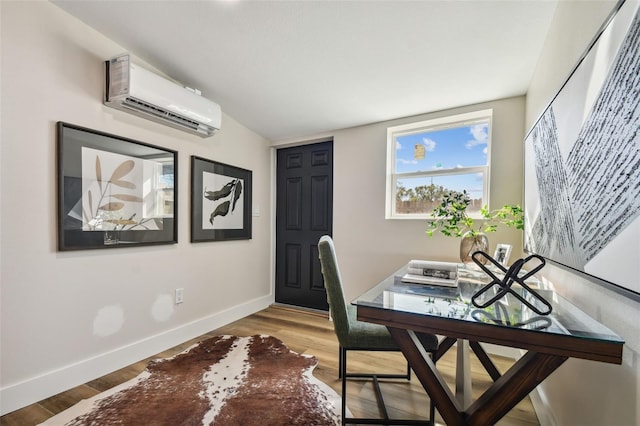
(527, 373)
(425, 370)
(463, 373)
(485, 360)
(509, 389)
(444, 345)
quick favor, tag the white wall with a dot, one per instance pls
(585, 392)
(370, 247)
(70, 317)
(51, 71)
(574, 26)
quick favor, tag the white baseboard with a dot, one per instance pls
(545, 416)
(21, 394)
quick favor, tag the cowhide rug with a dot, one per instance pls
(225, 380)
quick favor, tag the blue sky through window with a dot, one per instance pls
(444, 149)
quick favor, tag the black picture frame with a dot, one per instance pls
(582, 163)
(220, 201)
(113, 191)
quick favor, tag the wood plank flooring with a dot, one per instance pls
(310, 333)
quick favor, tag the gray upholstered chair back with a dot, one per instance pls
(333, 286)
(354, 335)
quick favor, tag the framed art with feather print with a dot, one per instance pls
(220, 201)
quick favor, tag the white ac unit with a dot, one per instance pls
(133, 89)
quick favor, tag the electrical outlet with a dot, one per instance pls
(179, 295)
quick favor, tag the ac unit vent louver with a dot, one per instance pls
(133, 89)
(141, 106)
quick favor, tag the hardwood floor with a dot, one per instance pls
(311, 333)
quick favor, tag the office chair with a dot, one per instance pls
(354, 335)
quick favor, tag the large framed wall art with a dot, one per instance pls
(220, 201)
(582, 163)
(113, 191)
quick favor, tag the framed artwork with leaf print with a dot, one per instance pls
(220, 201)
(113, 191)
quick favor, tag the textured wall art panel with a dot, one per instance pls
(582, 162)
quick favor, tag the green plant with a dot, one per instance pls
(451, 217)
(511, 215)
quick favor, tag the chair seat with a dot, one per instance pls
(367, 335)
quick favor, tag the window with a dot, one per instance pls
(429, 158)
(164, 189)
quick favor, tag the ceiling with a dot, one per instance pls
(291, 69)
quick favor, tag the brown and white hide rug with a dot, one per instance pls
(225, 380)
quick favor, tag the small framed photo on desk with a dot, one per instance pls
(503, 251)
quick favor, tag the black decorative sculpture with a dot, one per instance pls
(510, 276)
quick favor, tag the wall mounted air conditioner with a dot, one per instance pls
(131, 88)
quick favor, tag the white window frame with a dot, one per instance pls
(451, 121)
(161, 193)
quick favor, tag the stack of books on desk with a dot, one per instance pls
(431, 273)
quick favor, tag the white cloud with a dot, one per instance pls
(480, 133)
(398, 145)
(401, 161)
(429, 144)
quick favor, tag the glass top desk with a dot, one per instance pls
(447, 311)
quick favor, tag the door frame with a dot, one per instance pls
(274, 187)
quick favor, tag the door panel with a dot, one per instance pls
(304, 210)
(293, 204)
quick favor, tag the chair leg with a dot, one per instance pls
(343, 374)
(432, 407)
(432, 413)
(385, 420)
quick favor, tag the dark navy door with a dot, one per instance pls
(304, 212)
